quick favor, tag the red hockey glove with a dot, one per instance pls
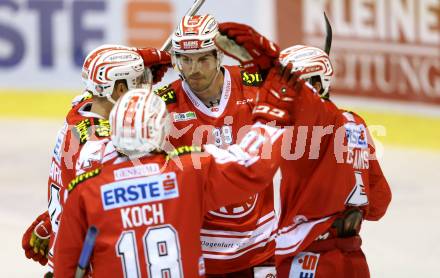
(158, 61)
(35, 240)
(276, 96)
(264, 52)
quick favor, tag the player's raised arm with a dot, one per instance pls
(242, 169)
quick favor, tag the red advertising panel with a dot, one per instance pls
(385, 49)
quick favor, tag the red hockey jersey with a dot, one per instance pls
(369, 177)
(149, 213)
(316, 180)
(320, 198)
(80, 126)
(238, 236)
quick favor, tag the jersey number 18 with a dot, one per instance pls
(161, 249)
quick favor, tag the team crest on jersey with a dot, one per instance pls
(185, 116)
(237, 210)
(251, 79)
(356, 135)
(304, 265)
(139, 191)
(83, 177)
(167, 94)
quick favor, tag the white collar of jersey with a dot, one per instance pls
(216, 111)
(88, 114)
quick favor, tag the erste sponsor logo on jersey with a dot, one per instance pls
(356, 135)
(140, 190)
(304, 265)
(185, 116)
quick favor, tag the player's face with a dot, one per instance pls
(199, 69)
(315, 84)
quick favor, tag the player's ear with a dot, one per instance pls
(318, 86)
(120, 89)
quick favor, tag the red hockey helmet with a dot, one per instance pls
(140, 123)
(107, 64)
(195, 34)
(310, 62)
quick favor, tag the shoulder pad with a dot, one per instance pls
(83, 177)
(80, 98)
(167, 94)
(184, 150)
(251, 79)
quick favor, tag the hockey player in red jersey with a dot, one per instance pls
(213, 104)
(337, 252)
(148, 207)
(87, 120)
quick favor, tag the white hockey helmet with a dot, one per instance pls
(311, 62)
(107, 64)
(195, 34)
(140, 123)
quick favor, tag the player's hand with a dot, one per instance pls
(35, 241)
(349, 224)
(276, 96)
(158, 61)
(264, 52)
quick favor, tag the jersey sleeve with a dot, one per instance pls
(234, 174)
(380, 192)
(71, 234)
